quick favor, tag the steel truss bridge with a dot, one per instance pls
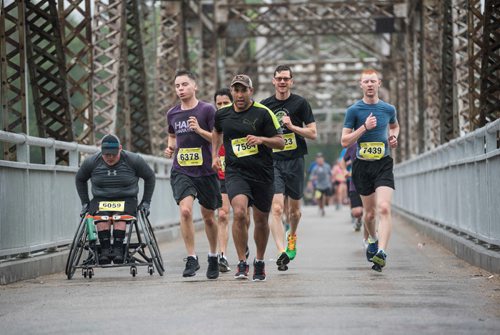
(74, 70)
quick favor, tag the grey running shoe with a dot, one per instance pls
(242, 272)
(357, 224)
(223, 265)
(259, 271)
(192, 266)
(213, 267)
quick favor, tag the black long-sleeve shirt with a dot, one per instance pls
(115, 182)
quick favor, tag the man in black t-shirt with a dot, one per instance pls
(249, 131)
(114, 174)
(296, 118)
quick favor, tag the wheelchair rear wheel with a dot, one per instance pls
(151, 242)
(76, 250)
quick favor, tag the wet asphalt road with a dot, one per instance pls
(329, 289)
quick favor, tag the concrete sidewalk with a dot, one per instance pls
(329, 289)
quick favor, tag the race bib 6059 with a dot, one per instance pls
(111, 206)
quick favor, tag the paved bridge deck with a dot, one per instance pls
(329, 289)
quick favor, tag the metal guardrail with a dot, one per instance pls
(39, 205)
(456, 185)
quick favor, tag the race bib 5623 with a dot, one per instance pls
(290, 142)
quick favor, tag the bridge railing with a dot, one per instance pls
(39, 205)
(456, 185)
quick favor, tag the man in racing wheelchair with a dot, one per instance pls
(114, 174)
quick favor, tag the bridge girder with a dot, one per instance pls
(13, 97)
(438, 58)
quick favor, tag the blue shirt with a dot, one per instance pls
(323, 176)
(357, 114)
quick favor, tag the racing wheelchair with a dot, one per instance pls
(140, 246)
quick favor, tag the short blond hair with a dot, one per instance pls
(370, 72)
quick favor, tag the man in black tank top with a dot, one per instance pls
(114, 174)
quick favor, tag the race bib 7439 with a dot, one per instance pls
(371, 150)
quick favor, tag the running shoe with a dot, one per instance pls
(242, 272)
(259, 271)
(357, 224)
(379, 258)
(282, 261)
(223, 264)
(372, 249)
(192, 266)
(117, 254)
(291, 249)
(105, 256)
(213, 267)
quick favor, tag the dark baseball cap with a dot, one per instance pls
(110, 144)
(242, 79)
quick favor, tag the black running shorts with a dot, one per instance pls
(260, 194)
(289, 177)
(222, 184)
(368, 175)
(355, 199)
(130, 206)
(327, 191)
(205, 188)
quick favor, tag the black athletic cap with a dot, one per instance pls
(110, 144)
